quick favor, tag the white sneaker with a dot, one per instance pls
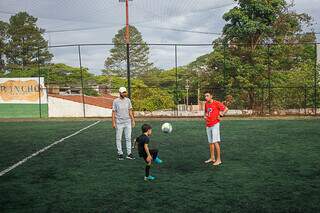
(130, 157)
(209, 161)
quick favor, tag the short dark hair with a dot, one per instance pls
(145, 128)
(209, 92)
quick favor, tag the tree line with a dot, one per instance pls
(264, 56)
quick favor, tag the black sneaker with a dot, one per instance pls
(120, 157)
(130, 157)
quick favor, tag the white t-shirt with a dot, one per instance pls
(121, 107)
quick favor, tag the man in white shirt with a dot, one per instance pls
(123, 121)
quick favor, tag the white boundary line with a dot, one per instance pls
(44, 149)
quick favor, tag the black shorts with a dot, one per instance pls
(153, 152)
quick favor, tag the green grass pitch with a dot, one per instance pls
(268, 166)
(23, 110)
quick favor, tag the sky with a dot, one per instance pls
(159, 21)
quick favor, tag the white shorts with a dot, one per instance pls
(213, 133)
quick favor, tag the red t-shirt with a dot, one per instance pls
(212, 111)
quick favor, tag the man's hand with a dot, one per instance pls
(113, 125)
(133, 124)
(149, 159)
(222, 113)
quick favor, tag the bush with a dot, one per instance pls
(151, 99)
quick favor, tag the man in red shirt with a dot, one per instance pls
(213, 111)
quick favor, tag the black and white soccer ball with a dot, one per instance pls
(166, 128)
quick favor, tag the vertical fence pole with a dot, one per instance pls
(23, 58)
(315, 78)
(224, 70)
(176, 69)
(269, 80)
(128, 70)
(305, 99)
(39, 83)
(262, 101)
(82, 87)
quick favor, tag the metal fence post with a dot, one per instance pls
(224, 71)
(262, 101)
(305, 99)
(39, 83)
(269, 80)
(128, 70)
(315, 78)
(82, 87)
(176, 70)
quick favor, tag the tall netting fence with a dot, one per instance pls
(164, 79)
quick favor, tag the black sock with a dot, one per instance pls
(147, 170)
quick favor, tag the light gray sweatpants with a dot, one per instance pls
(126, 128)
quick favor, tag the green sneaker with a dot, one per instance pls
(151, 178)
(158, 161)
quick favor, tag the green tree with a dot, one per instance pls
(240, 61)
(144, 97)
(116, 63)
(173, 81)
(152, 99)
(57, 74)
(65, 75)
(115, 82)
(253, 22)
(3, 39)
(151, 78)
(24, 41)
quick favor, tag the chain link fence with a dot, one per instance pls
(82, 81)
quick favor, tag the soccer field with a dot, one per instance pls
(23, 110)
(268, 166)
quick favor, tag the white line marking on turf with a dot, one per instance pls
(44, 149)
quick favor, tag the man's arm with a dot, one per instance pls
(205, 116)
(146, 148)
(113, 119)
(114, 114)
(132, 118)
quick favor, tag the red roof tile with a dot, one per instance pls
(104, 101)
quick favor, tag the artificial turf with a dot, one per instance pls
(23, 110)
(268, 166)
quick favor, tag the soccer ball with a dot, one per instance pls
(166, 128)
